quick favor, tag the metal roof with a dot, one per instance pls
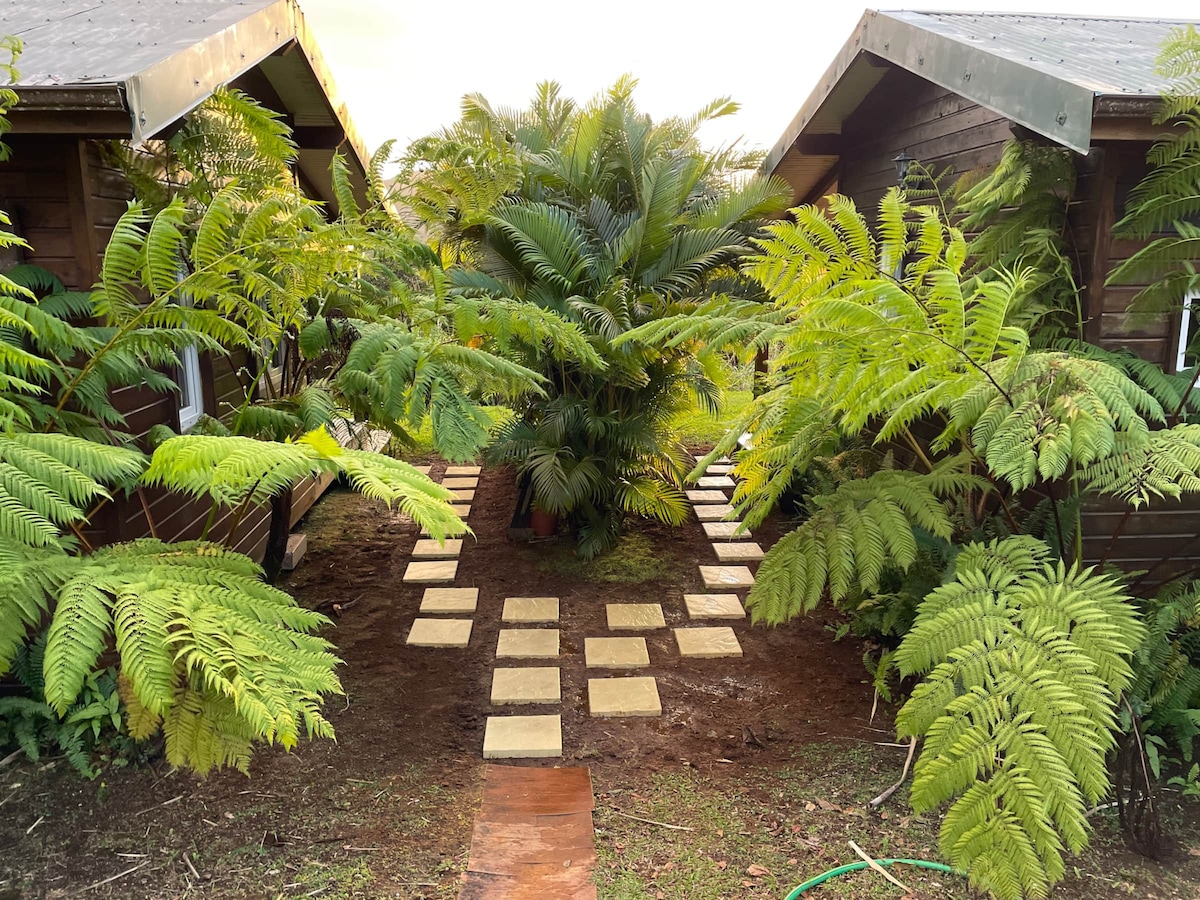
(159, 59)
(1049, 73)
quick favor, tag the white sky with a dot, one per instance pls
(403, 65)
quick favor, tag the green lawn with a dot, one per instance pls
(698, 429)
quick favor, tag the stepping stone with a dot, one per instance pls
(464, 496)
(726, 577)
(715, 481)
(619, 697)
(450, 600)
(537, 684)
(425, 533)
(707, 643)
(424, 470)
(462, 510)
(527, 643)
(530, 609)
(635, 616)
(615, 653)
(455, 483)
(440, 633)
(718, 470)
(431, 572)
(707, 496)
(713, 513)
(522, 737)
(430, 549)
(725, 461)
(738, 551)
(462, 470)
(727, 530)
(714, 606)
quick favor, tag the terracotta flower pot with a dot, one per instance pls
(543, 523)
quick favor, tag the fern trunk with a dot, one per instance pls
(277, 534)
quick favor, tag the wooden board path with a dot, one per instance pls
(533, 836)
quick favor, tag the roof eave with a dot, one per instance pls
(1053, 107)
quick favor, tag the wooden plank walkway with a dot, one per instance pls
(533, 836)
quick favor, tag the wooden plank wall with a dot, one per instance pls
(65, 199)
(943, 129)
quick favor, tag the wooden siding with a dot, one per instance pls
(905, 113)
(65, 199)
(944, 130)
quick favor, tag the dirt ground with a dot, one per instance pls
(754, 778)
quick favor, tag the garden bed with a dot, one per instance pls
(767, 760)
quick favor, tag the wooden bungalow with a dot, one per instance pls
(131, 70)
(949, 90)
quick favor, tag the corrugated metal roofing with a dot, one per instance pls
(1113, 56)
(80, 42)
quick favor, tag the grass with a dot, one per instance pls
(700, 429)
(635, 560)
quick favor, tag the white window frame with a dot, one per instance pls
(191, 388)
(1190, 300)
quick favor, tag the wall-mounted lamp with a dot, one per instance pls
(903, 163)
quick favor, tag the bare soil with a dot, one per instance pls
(768, 760)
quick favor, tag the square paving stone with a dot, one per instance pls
(527, 643)
(522, 737)
(456, 483)
(425, 532)
(537, 684)
(715, 481)
(431, 549)
(707, 643)
(462, 470)
(440, 632)
(615, 653)
(431, 572)
(635, 616)
(726, 577)
(726, 530)
(714, 512)
(450, 600)
(707, 496)
(619, 697)
(463, 496)
(718, 470)
(424, 470)
(714, 606)
(724, 461)
(738, 551)
(462, 510)
(530, 609)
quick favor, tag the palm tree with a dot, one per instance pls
(599, 216)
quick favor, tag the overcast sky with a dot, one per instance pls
(403, 65)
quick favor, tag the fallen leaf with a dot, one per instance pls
(810, 806)
(827, 806)
(757, 871)
(722, 865)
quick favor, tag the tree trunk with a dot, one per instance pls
(277, 534)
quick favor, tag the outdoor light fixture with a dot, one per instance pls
(902, 162)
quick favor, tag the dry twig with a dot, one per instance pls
(652, 822)
(882, 798)
(880, 869)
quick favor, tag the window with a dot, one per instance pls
(191, 395)
(1189, 325)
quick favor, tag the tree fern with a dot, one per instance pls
(1024, 662)
(865, 526)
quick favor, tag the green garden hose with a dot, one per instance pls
(856, 866)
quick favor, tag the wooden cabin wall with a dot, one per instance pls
(65, 199)
(942, 129)
(932, 124)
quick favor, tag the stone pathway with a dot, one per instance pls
(525, 672)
